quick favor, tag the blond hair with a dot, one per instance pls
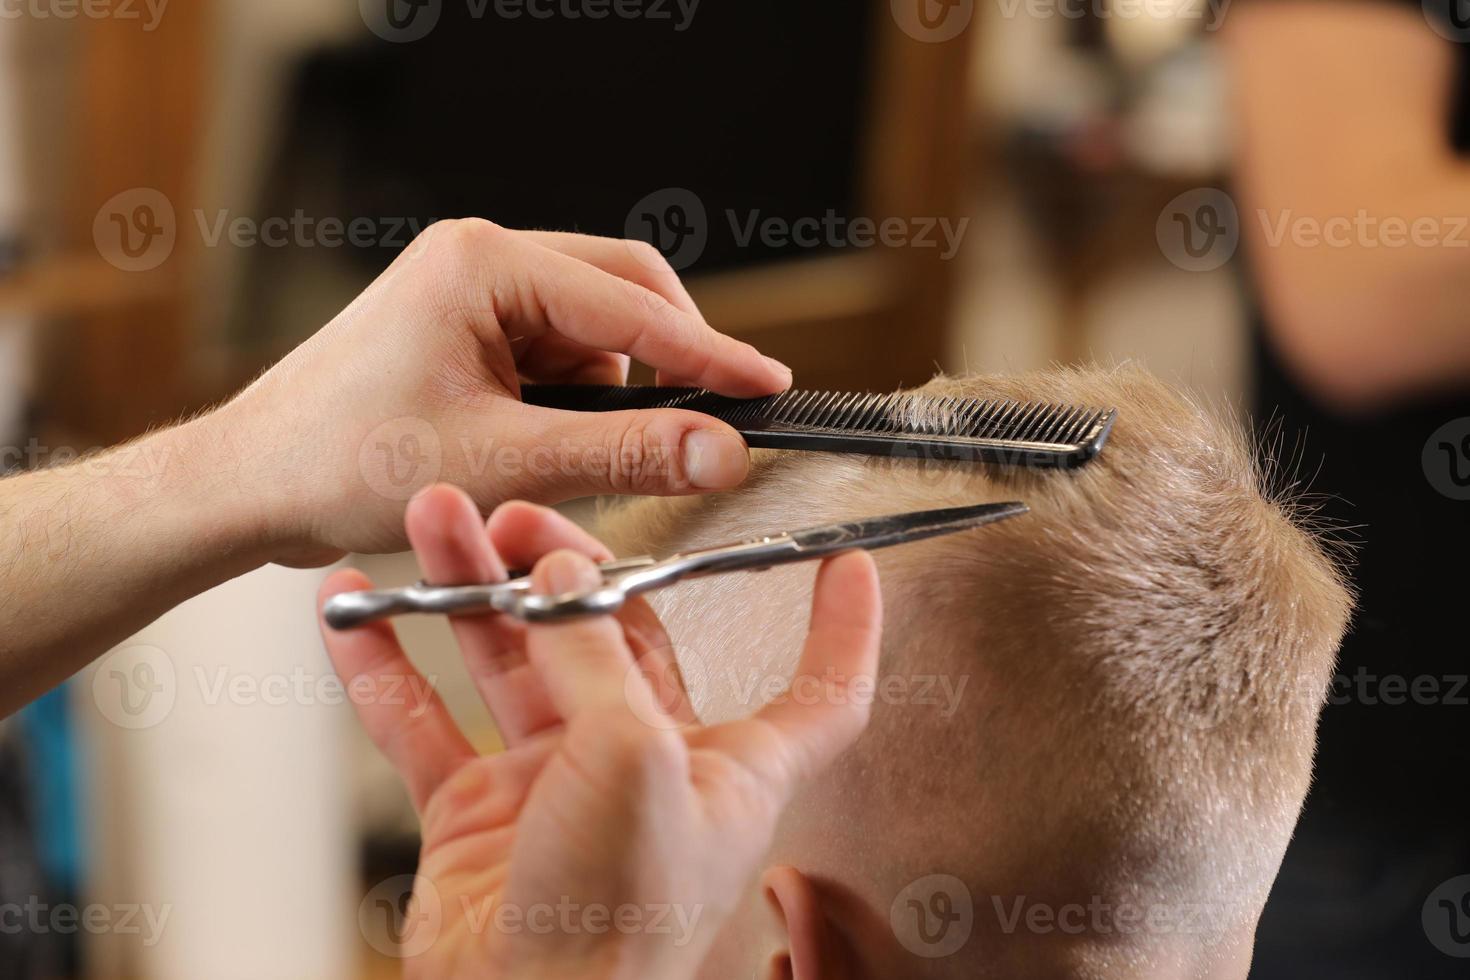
(1146, 652)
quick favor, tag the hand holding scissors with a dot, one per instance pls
(610, 796)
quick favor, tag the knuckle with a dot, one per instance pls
(457, 264)
(639, 460)
(685, 338)
(463, 239)
(651, 258)
(655, 306)
(477, 232)
(637, 747)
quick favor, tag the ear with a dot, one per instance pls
(805, 951)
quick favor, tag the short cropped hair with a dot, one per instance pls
(1146, 652)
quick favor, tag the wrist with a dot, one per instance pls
(206, 482)
(257, 484)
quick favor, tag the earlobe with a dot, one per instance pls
(792, 900)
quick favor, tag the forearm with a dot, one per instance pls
(1353, 203)
(1372, 315)
(414, 382)
(93, 551)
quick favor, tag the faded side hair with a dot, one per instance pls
(1145, 654)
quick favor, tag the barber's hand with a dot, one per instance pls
(417, 381)
(612, 820)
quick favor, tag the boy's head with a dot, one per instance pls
(1093, 726)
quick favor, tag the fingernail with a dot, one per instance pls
(567, 571)
(714, 460)
(782, 370)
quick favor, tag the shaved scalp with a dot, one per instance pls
(1111, 700)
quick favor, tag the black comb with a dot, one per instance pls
(911, 425)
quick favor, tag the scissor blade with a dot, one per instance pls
(880, 532)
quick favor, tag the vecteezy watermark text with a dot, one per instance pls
(940, 691)
(1199, 230)
(1363, 230)
(150, 12)
(138, 229)
(403, 916)
(405, 21)
(832, 230)
(223, 685)
(1392, 690)
(674, 220)
(302, 230)
(138, 687)
(134, 461)
(36, 917)
(934, 916)
(1100, 916)
(399, 457)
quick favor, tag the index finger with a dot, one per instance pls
(531, 290)
(796, 737)
(584, 663)
(416, 733)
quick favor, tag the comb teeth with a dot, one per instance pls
(921, 415)
(988, 430)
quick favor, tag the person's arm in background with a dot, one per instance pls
(1342, 112)
(414, 382)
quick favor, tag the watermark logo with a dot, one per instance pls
(404, 916)
(933, 21)
(1446, 917)
(1210, 12)
(934, 916)
(653, 689)
(135, 687)
(1446, 459)
(1450, 19)
(401, 916)
(1199, 230)
(139, 686)
(399, 457)
(401, 21)
(135, 230)
(672, 220)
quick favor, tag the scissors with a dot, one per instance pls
(626, 577)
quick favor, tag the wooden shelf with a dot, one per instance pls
(70, 285)
(772, 296)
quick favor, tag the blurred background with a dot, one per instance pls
(869, 191)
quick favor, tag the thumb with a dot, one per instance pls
(658, 452)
